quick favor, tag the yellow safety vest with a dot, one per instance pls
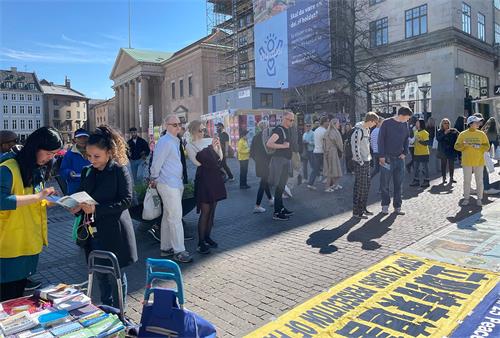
(23, 231)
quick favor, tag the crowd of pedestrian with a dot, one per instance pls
(104, 165)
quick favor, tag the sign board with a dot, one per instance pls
(243, 93)
(402, 296)
(150, 127)
(497, 90)
(483, 91)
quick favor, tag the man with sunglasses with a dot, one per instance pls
(280, 164)
(167, 178)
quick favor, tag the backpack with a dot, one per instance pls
(266, 135)
(348, 144)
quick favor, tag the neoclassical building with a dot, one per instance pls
(138, 78)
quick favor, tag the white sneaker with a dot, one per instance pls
(492, 191)
(465, 202)
(479, 203)
(258, 210)
(385, 209)
(338, 187)
(330, 189)
(271, 202)
(288, 191)
(311, 187)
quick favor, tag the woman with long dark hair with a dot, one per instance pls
(206, 154)
(262, 158)
(109, 226)
(23, 214)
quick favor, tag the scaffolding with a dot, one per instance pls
(235, 65)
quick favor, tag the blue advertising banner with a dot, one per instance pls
(271, 52)
(484, 321)
(292, 42)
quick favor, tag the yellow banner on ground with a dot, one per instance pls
(402, 296)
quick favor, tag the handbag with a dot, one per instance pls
(488, 162)
(435, 143)
(152, 205)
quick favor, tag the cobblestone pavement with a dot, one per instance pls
(262, 267)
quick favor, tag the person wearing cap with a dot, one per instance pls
(473, 143)
(74, 161)
(138, 151)
(8, 139)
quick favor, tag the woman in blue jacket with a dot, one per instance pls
(74, 160)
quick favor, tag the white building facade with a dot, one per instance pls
(21, 101)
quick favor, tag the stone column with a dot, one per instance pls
(117, 109)
(126, 119)
(131, 113)
(136, 106)
(145, 105)
(122, 109)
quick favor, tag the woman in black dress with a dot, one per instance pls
(446, 137)
(262, 158)
(206, 154)
(107, 180)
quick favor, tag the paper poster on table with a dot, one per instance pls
(402, 296)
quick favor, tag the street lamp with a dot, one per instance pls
(425, 90)
(389, 84)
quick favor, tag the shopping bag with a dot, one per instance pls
(435, 143)
(152, 205)
(164, 318)
(488, 162)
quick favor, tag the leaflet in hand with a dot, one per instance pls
(72, 200)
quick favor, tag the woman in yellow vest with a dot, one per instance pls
(243, 156)
(421, 155)
(23, 214)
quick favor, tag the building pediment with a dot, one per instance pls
(123, 63)
(180, 109)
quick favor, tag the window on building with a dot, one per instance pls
(55, 102)
(8, 84)
(37, 110)
(416, 21)
(5, 109)
(242, 40)
(84, 105)
(243, 71)
(23, 125)
(379, 33)
(181, 88)
(84, 115)
(30, 124)
(497, 4)
(5, 96)
(172, 85)
(190, 86)
(14, 124)
(13, 97)
(481, 30)
(497, 33)
(474, 82)
(78, 115)
(29, 97)
(30, 109)
(37, 97)
(6, 124)
(21, 109)
(266, 99)
(21, 97)
(57, 124)
(20, 85)
(56, 113)
(466, 13)
(38, 124)
(68, 114)
(13, 110)
(31, 86)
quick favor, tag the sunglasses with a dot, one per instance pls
(175, 125)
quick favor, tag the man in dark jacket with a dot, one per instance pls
(224, 143)
(138, 151)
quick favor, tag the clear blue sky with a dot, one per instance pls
(81, 38)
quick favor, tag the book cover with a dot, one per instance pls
(84, 311)
(61, 330)
(17, 323)
(74, 302)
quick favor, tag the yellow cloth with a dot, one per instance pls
(243, 150)
(421, 149)
(473, 144)
(23, 231)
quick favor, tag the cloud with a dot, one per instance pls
(81, 42)
(112, 37)
(48, 57)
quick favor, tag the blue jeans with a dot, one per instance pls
(317, 160)
(396, 174)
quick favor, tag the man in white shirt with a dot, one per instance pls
(319, 135)
(166, 177)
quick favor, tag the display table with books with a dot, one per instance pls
(57, 311)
